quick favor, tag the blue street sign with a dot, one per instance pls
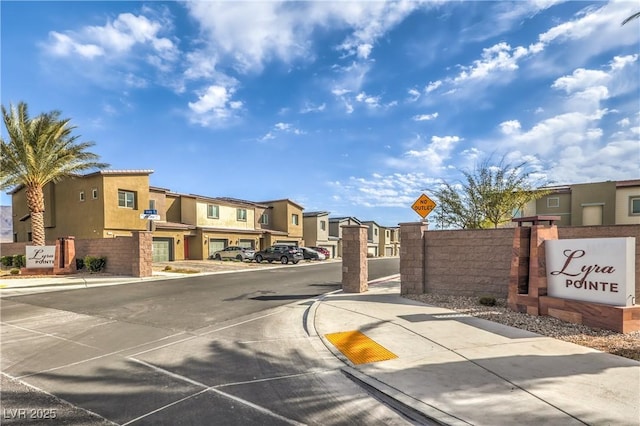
(151, 212)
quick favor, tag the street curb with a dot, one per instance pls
(411, 408)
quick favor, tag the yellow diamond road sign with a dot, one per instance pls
(423, 205)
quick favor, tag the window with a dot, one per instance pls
(126, 199)
(94, 194)
(241, 215)
(264, 219)
(213, 211)
(553, 202)
(152, 204)
(29, 236)
(387, 233)
(15, 237)
(81, 195)
(323, 225)
(375, 231)
(294, 219)
(634, 205)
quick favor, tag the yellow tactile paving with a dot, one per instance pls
(359, 348)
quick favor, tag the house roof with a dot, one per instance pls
(312, 214)
(281, 200)
(341, 218)
(99, 172)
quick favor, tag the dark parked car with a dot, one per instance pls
(311, 254)
(327, 253)
(234, 252)
(283, 254)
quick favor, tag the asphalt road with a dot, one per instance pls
(216, 349)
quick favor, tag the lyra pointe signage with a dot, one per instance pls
(600, 270)
(40, 256)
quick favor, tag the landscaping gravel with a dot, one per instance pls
(626, 345)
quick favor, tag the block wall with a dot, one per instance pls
(468, 262)
(129, 256)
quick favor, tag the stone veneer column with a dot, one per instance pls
(142, 265)
(412, 257)
(355, 273)
(538, 263)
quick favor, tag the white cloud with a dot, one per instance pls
(414, 95)
(214, 106)
(425, 117)
(309, 107)
(581, 79)
(497, 58)
(433, 85)
(115, 38)
(280, 128)
(510, 127)
(370, 101)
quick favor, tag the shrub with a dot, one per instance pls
(6, 261)
(19, 260)
(14, 271)
(79, 263)
(487, 301)
(167, 268)
(95, 264)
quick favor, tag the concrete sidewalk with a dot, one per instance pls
(461, 370)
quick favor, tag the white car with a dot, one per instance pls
(234, 252)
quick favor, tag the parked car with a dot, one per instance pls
(311, 254)
(326, 252)
(282, 253)
(234, 252)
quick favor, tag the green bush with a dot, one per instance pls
(19, 260)
(79, 264)
(6, 261)
(487, 301)
(95, 264)
(14, 271)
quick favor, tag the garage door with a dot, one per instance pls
(161, 250)
(246, 243)
(388, 251)
(216, 245)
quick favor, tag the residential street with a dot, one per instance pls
(225, 348)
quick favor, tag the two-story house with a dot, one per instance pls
(282, 223)
(103, 204)
(598, 203)
(316, 232)
(373, 238)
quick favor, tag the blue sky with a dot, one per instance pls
(347, 107)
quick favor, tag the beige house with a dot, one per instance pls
(281, 222)
(599, 203)
(103, 204)
(112, 203)
(316, 232)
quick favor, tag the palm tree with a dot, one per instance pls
(631, 18)
(37, 151)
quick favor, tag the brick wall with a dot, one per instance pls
(478, 262)
(468, 262)
(129, 256)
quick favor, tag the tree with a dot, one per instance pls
(631, 18)
(488, 196)
(38, 151)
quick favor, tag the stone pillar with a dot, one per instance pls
(65, 258)
(142, 262)
(412, 257)
(538, 262)
(355, 273)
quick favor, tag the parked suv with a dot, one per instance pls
(282, 253)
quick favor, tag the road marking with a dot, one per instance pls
(47, 334)
(359, 348)
(206, 389)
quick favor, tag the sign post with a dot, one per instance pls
(150, 215)
(423, 205)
